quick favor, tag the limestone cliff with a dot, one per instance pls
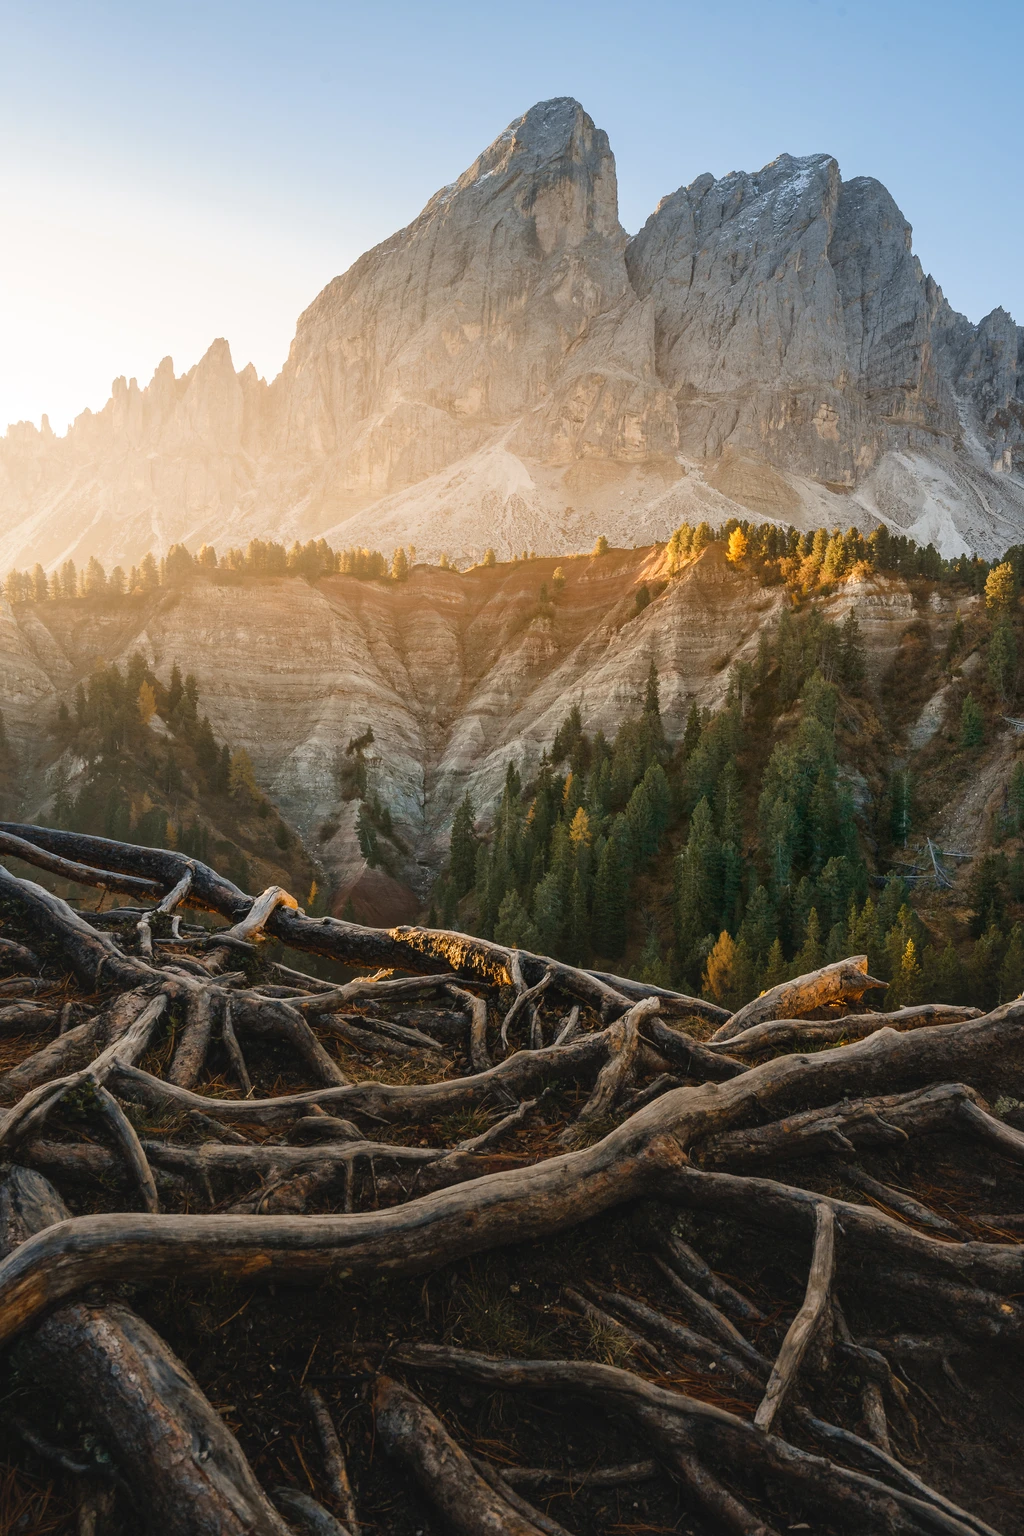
(511, 370)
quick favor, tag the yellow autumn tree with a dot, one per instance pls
(737, 545)
(1000, 586)
(579, 829)
(241, 778)
(147, 703)
(905, 987)
(718, 977)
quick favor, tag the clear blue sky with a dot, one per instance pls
(176, 172)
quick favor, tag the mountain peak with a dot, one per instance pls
(508, 370)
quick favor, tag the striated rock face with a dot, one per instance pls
(509, 292)
(511, 370)
(455, 675)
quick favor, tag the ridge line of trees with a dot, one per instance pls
(774, 552)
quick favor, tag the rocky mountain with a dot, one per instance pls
(512, 370)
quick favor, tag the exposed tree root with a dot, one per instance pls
(234, 1106)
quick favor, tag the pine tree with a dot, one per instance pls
(851, 654)
(653, 969)
(611, 898)
(775, 969)
(809, 957)
(982, 968)
(1011, 972)
(942, 980)
(691, 733)
(1002, 657)
(759, 927)
(462, 855)
(700, 883)
(513, 924)
(972, 725)
(175, 691)
(549, 913)
(905, 928)
(652, 700)
(578, 925)
(222, 778)
(600, 545)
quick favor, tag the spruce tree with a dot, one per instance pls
(691, 733)
(972, 725)
(699, 884)
(775, 969)
(810, 956)
(1011, 972)
(652, 701)
(577, 936)
(513, 921)
(760, 924)
(462, 849)
(1002, 658)
(611, 898)
(851, 654)
(549, 914)
(942, 980)
(982, 968)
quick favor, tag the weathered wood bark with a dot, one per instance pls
(842, 982)
(415, 949)
(675, 1422)
(335, 1466)
(808, 1322)
(190, 1056)
(416, 1437)
(74, 1049)
(644, 1156)
(185, 1471)
(776, 1033)
(479, 1055)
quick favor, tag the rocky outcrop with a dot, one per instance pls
(511, 370)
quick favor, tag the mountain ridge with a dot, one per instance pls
(511, 369)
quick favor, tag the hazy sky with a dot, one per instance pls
(173, 173)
